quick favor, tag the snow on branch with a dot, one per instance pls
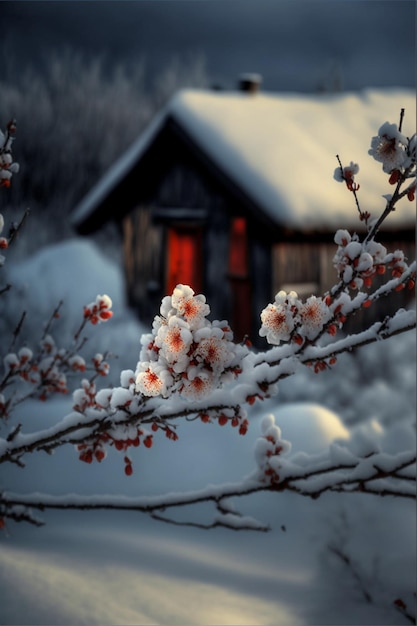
(340, 469)
(190, 368)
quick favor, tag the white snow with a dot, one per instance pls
(124, 568)
(281, 150)
(282, 147)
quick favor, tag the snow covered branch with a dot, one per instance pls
(190, 368)
(340, 469)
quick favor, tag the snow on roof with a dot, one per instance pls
(281, 150)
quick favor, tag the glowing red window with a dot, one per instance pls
(184, 258)
(238, 254)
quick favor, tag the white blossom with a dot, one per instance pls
(389, 147)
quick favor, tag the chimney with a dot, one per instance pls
(250, 83)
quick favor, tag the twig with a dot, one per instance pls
(5, 289)
(400, 125)
(17, 331)
(54, 315)
(354, 572)
(13, 231)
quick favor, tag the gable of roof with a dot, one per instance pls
(280, 151)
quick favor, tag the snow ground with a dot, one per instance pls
(123, 568)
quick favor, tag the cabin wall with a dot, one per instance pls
(182, 200)
(143, 252)
(260, 252)
(185, 188)
(187, 198)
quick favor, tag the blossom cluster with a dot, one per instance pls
(393, 149)
(7, 169)
(347, 174)
(98, 311)
(4, 242)
(358, 263)
(7, 166)
(46, 368)
(42, 370)
(290, 319)
(269, 449)
(123, 434)
(186, 353)
(396, 153)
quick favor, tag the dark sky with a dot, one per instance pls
(294, 44)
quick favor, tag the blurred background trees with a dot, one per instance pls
(75, 116)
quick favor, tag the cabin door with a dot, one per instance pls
(184, 258)
(239, 279)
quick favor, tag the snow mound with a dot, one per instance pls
(74, 271)
(310, 428)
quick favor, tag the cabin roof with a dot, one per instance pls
(280, 150)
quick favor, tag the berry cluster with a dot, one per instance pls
(121, 439)
(236, 420)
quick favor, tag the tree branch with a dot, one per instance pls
(359, 475)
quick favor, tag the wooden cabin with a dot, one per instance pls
(233, 194)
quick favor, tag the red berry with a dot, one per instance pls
(243, 428)
(154, 426)
(395, 176)
(222, 420)
(400, 604)
(128, 470)
(147, 442)
(86, 456)
(99, 454)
